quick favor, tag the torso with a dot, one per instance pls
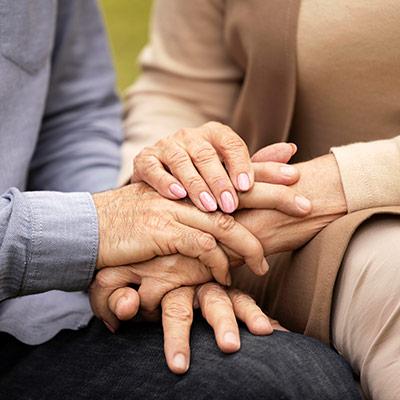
(348, 73)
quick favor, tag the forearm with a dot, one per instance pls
(48, 241)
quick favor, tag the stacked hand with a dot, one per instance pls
(169, 279)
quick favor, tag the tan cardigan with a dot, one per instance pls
(235, 61)
(248, 63)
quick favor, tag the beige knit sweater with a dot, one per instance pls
(348, 84)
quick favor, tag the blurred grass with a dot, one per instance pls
(127, 24)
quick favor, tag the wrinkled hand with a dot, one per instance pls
(210, 164)
(118, 279)
(112, 299)
(221, 307)
(321, 183)
(191, 161)
(137, 224)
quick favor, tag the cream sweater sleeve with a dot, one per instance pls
(187, 75)
(370, 173)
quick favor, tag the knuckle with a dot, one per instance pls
(220, 182)
(103, 278)
(203, 154)
(225, 222)
(206, 242)
(195, 184)
(214, 125)
(243, 300)
(177, 157)
(234, 144)
(183, 133)
(175, 310)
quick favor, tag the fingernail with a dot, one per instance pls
(243, 182)
(303, 203)
(228, 279)
(208, 202)
(294, 148)
(120, 304)
(109, 326)
(288, 171)
(228, 204)
(177, 190)
(230, 338)
(180, 362)
(264, 267)
(262, 323)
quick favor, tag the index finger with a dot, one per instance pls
(233, 150)
(177, 318)
(229, 232)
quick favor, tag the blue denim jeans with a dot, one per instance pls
(94, 364)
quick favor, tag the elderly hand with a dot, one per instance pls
(220, 307)
(320, 181)
(193, 161)
(137, 224)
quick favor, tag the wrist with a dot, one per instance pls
(100, 201)
(320, 182)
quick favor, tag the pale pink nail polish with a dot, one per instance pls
(294, 148)
(177, 190)
(228, 204)
(243, 182)
(288, 171)
(208, 202)
(303, 203)
(264, 267)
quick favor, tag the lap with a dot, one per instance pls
(92, 363)
(366, 307)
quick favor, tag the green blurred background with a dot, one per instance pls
(127, 23)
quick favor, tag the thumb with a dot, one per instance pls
(124, 303)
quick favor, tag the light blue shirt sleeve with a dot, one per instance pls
(48, 239)
(49, 242)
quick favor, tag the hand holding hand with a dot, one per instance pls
(211, 164)
(221, 307)
(137, 224)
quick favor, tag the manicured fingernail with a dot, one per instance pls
(262, 324)
(228, 204)
(288, 171)
(177, 190)
(109, 326)
(231, 338)
(180, 362)
(208, 202)
(243, 182)
(303, 203)
(264, 267)
(294, 148)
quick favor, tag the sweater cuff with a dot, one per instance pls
(64, 242)
(370, 173)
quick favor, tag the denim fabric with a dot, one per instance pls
(60, 131)
(94, 364)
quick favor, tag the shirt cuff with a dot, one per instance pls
(370, 173)
(64, 242)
